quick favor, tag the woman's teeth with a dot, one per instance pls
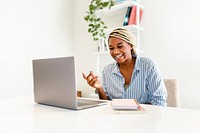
(118, 56)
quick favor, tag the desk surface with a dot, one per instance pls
(22, 115)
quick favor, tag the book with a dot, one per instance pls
(127, 16)
(125, 104)
(141, 12)
(132, 17)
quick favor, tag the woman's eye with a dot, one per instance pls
(111, 48)
(119, 47)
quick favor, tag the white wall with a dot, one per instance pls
(83, 46)
(170, 39)
(31, 29)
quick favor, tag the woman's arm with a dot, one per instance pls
(102, 94)
(94, 82)
(156, 87)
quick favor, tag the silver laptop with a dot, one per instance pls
(55, 84)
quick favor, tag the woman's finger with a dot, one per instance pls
(84, 76)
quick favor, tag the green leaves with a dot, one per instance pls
(96, 26)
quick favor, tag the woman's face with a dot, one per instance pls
(120, 50)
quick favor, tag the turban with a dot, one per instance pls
(124, 35)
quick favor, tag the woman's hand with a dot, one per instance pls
(92, 80)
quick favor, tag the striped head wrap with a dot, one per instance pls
(126, 36)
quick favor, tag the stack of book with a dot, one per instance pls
(127, 106)
(130, 17)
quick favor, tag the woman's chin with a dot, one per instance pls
(119, 61)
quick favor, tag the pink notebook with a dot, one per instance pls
(126, 104)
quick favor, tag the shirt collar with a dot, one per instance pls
(136, 68)
(116, 69)
(137, 63)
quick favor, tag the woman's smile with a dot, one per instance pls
(118, 56)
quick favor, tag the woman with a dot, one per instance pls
(130, 76)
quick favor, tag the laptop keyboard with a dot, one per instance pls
(83, 104)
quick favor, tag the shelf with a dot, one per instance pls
(132, 28)
(140, 51)
(119, 6)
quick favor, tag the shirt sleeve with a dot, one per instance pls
(156, 87)
(104, 84)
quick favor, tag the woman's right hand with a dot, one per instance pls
(92, 80)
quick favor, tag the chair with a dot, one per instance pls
(173, 98)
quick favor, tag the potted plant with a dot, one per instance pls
(95, 24)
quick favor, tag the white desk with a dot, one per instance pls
(22, 115)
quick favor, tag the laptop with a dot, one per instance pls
(54, 83)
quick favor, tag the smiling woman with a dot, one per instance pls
(130, 76)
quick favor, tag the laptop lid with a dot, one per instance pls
(55, 84)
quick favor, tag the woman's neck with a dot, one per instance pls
(126, 69)
(129, 64)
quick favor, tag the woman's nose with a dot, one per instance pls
(116, 51)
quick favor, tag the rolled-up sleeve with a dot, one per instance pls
(156, 87)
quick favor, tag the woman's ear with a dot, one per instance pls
(131, 47)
